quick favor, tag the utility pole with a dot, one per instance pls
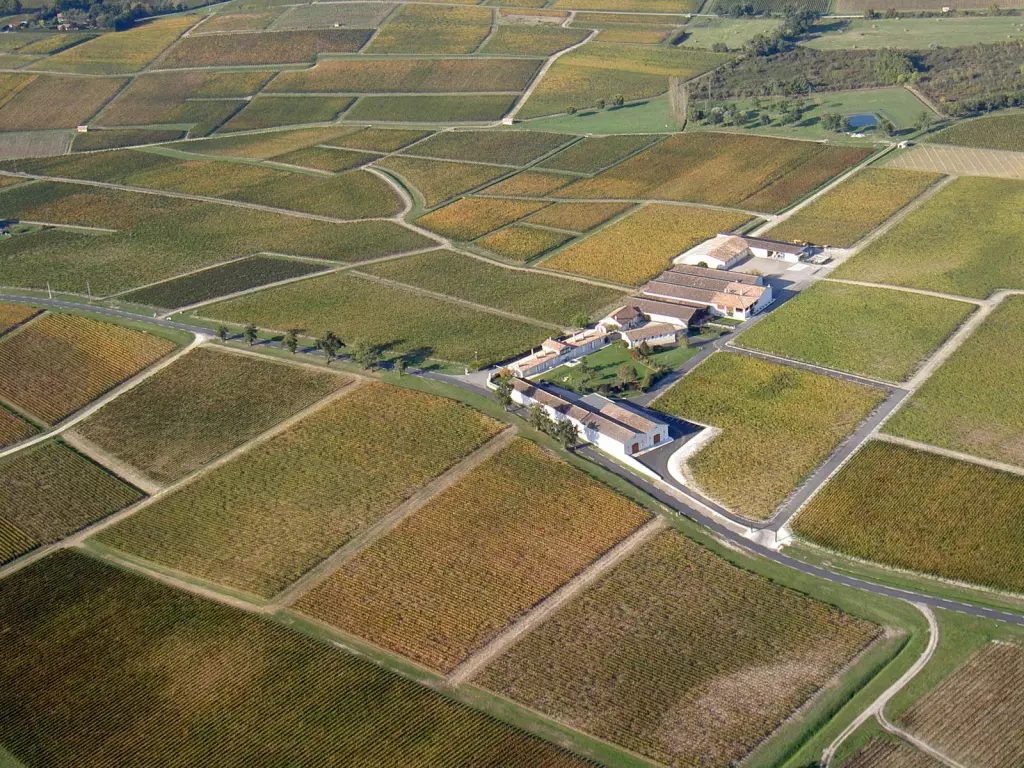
(48, 291)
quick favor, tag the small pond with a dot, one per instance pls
(862, 121)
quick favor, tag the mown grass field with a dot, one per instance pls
(326, 158)
(430, 109)
(121, 52)
(853, 209)
(577, 217)
(595, 153)
(114, 139)
(976, 716)
(520, 242)
(263, 519)
(49, 491)
(679, 656)
(531, 40)
(916, 34)
(508, 147)
(529, 184)
(973, 403)
(271, 111)
(59, 363)
(923, 512)
(964, 240)
(219, 281)
(991, 132)
(602, 70)
(202, 406)
(451, 576)
(159, 672)
(399, 320)
(470, 217)
(875, 332)
(13, 428)
(635, 248)
(752, 172)
(437, 180)
(379, 139)
(778, 423)
(705, 31)
(433, 29)
(262, 48)
(409, 75)
(42, 102)
(544, 297)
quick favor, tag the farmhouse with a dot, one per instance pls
(652, 334)
(723, 293)
(609, 426)
(726, 250)
(555, 352)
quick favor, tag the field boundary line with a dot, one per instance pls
(178, 276)
(122, 469)
(792, 362)
(950, 454)
(456, 300)
(907, 289)
(68, 226)
(952, 344)
(877, 707)
(322, 571)
(470, 666)
(403, 194)
(84, 413)
(84, 533)
(490, 32)
(511, 116)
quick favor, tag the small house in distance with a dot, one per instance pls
(725, 250)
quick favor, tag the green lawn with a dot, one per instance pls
(605, 363)
(650, 116)
(917, 34)
(875, 332)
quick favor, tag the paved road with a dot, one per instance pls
(652, 490)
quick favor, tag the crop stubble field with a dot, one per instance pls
(59, 363)
(679, 656)
(456, 572)
(48, 491)
(778, 423)
(201, 406)
(927, 513)
(263, 519)
(859, 337)
(159, 673)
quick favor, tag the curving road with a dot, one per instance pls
(648, 487)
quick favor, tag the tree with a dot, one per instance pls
(223, 332)
(398, 365)
(329, 344)
(539, 418)
(366, 355)
(586, 373)
(249, 334)
(644, 350)
(581, 319)
(570, 111)
(618, 100)
(893, 67)
(503, 393)
(831, 121)
(626, 374)
(291, 341)
(886, 127)
(646, 381)
(567, 434)
(924, 119)
(765, 119)
(601, 103)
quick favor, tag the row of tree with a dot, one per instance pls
(364, 354)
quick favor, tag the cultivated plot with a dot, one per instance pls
(973, 402)
(126, 137)
(323, 158)
(271, 111)
(529, 184)
(964, 240)
(879, 753)
(41, 102)
(850, 328)
(262, 48)
(263, 519)
(13, 315)
(455, 573)
(470, 217)
(378, 139)
(851, 210)
(263, 146)
(961, 161)
(159, 672)
(48, 491)
(433, 29)
(200, 407)
(595, 153)
(577, 217)
(13, 428)
(992, 132)
(59, 363)
(431, 109)
(778, 423)
(438, 180)
(521, 242)
(531, 40)
(679, 656)
(507, 147)
(975, 716)
(923, 512)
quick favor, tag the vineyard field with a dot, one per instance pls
(159, 673)
(115, 139)
(858, 337)
(13, 428)
(973, 403)
(880, 753)
(528, 184)
(247, 49)
(751, 172)
(977, 715)
(263, 519)
(778, 423)
(263, 146)
(992, 132)
(272, 111)
(577, 217)
(220, 281)
(455, 573)
(637, 247)
(378, 139)
(922, 512)
(679, 656)
(522, 243)
(543, 297)
(13, 315)
(200, 407)
(503, 147)
(471, 217)
(966, 217)
(595, 153)
(48, 491)
(433, 29)
(396, 319)
(431, 109)
(853, 209)
(438, 181)
(59, 363)
(326, 158)
(531, 41)
(52, 101)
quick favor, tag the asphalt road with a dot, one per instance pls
(669, 501)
